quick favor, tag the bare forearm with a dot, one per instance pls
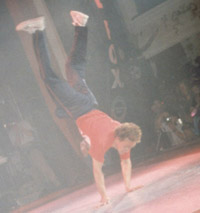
(100, 182)
(126, 172)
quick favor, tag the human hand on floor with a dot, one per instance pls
(104, 201)
(131, 189)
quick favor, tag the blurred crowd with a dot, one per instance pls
(177, 111)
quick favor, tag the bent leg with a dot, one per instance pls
(76, 63)
(77, 103)
(41, 51)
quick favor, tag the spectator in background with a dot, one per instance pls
(196, 72)
(168, 127)
(157, 108)
(195, 108)
(159, 113)
(173, 126)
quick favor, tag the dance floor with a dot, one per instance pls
(170, 184)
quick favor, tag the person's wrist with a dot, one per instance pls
(128, 187)
(105, 199)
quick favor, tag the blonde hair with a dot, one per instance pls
(129, 131)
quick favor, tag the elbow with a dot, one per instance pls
(125, 162)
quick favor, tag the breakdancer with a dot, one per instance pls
(75, 96)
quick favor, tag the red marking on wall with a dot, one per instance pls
(112, 54)
(99, 4)
(111, 51)
(107, 29)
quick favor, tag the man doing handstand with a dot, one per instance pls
(76, 97)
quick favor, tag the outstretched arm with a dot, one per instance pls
(126, 172)
(100, 182)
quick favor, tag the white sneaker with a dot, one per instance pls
(79, 19)
(32, 25)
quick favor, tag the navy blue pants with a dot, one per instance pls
(74, 94)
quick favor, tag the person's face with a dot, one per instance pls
(124, 146)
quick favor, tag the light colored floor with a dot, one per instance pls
(171, 185)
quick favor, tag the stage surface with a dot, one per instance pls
(171, 184)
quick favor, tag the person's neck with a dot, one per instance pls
(114, 144)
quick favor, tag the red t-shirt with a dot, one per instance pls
(99, 127)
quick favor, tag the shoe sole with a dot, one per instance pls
(31, 23)
(79, 18)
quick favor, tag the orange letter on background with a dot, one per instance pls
(112, 54)
(117, 81)
(107, 29)
(99, 4)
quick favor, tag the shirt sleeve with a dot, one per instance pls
(125, 156)
(97, 153)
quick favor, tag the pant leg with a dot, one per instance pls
(76, 63)
(196, 120)
(77, 103)
(43, 58)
